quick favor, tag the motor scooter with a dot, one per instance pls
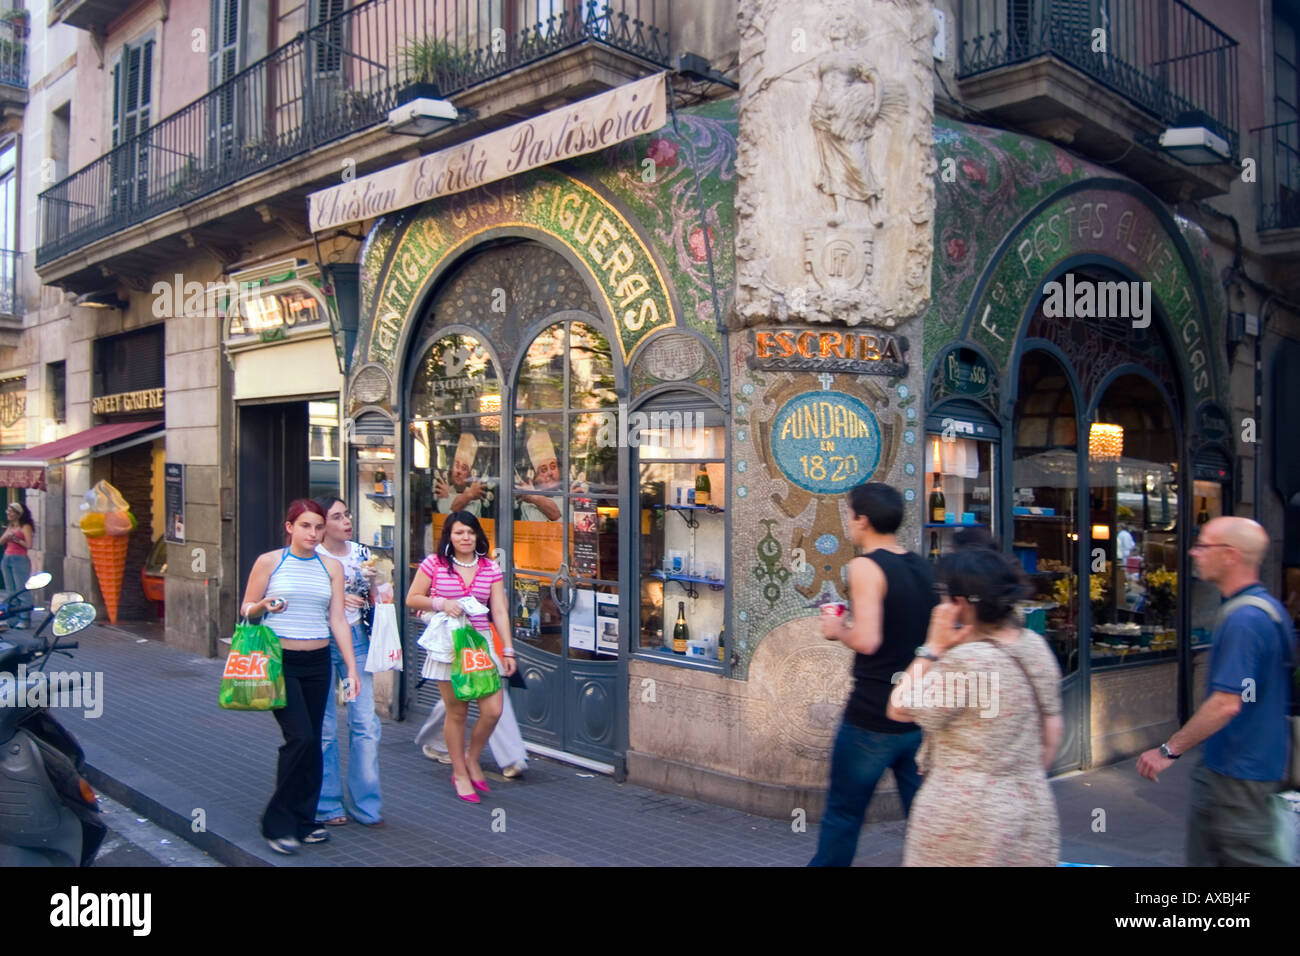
(49, 815)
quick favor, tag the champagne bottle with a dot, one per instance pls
(380, 478)
(722, 644)
(934, 547)
(937, 503)
(1203, 515)
(702, 486)
(681, 634)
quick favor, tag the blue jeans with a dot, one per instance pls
(363, 743)
(15, 570)
(858, 761)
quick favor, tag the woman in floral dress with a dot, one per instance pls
(987, 694)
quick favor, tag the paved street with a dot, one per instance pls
(164, 748)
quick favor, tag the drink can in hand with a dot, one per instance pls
(834, 609)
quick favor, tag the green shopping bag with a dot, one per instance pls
(473, 671)
(254, 674)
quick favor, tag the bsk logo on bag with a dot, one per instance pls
(472, 659)
(245, 665)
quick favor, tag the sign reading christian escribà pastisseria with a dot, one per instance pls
(145, 400)
(627, 111)
(829, 350)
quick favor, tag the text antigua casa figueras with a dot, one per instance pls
(620, 264)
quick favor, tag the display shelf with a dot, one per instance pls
(1044, 518)
(384, 500)
(956, 524)
(685, 512)
(687, 581)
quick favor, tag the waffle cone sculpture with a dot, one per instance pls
(108, 552)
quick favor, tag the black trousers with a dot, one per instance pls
(292, 810)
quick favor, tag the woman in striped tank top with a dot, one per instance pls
(303, 592)
(460, 568)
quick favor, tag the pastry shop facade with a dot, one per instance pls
(552, 352)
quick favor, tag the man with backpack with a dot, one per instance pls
(1244, 719)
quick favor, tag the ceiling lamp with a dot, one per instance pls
(1105, 442)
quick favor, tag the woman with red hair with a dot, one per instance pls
(303, 590)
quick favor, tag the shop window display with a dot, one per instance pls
(455, 447)
(565, 495)
(1045, 498)
(682, 540)
(1133, 533)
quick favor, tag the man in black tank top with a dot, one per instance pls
(891, 592)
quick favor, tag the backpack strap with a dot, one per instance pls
(1256, 601)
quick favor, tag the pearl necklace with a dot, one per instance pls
(464, 564)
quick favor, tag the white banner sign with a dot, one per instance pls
(583, 127)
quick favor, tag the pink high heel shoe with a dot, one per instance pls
(472, 798)
(480, 785)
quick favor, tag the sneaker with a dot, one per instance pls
(514, 770)
(437, 755)
(286, 846)
(319, 835)
(20, 626)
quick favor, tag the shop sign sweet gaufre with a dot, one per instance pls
(587, 126)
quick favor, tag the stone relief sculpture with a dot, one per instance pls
(853, 184)
(847, 104)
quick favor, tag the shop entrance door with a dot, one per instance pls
(273, 470)
(565, 588)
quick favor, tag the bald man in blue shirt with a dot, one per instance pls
(1243, 719)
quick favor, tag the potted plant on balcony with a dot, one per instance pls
(19, 20)
(431, 66)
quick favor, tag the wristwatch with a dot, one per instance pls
(1167, 753)
(929, 655)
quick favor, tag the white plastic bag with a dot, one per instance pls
(385, 646)
(436, 639)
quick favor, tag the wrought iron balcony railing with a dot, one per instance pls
(1159, 54)
(13, 52)
(11, 275)
(339, 77)
(1279, 175)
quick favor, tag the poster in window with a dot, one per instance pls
(174, 502)
(586, 540)
(582, 620)
(607, 623)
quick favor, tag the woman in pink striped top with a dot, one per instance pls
(459, 568)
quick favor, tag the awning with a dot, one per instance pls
(26, 469)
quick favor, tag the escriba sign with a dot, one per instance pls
(583, 127)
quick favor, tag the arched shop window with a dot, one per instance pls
(565, 500)
(1045, 508)
(455, 423)
(1134, 488)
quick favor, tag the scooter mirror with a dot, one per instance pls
(38, 580)
(73, 617)
(62, 598)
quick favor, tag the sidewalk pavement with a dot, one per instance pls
(163, 747)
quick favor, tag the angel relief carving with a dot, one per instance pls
(854, 183)
(847, 104)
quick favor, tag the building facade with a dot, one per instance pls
(949, 252)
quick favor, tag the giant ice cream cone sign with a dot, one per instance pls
(106, 523)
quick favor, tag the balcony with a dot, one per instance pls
(1279, 181)
(337, 79)
(11, 299)
(1040, 65)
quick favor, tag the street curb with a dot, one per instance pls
(176, 822)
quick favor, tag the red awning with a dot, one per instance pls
(26, 469)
